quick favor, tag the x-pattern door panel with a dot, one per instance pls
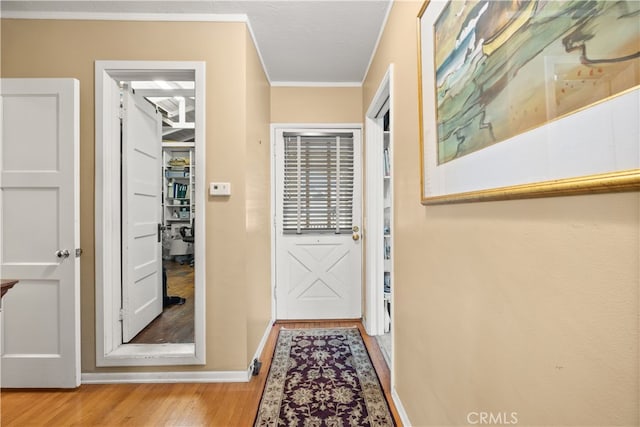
(320, 273)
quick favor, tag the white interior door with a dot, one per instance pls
(39, 191)
(141, 215)
(318, 219)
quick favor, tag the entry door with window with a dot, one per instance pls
(318, 218)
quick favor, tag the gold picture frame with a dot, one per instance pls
(550, 115)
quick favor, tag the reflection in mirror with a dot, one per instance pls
(175, 103)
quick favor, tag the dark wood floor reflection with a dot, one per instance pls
(175, 324)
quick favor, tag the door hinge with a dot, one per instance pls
(121, 315)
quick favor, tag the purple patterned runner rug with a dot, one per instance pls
(322, 377)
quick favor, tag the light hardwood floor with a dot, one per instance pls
(219, 404)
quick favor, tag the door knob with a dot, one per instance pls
(62, 253)
(355, 236)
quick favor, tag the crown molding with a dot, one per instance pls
(110, 16)
(316, 84)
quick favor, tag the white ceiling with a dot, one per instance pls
(300, 41)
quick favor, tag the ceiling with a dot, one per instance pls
(176, 103)
(301, 42)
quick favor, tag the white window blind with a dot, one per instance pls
(318, 183)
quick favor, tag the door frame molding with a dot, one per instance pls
(374, 221)
(275, 128)
(109, 348)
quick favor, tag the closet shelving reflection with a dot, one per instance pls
(178, 208)
(387, 235)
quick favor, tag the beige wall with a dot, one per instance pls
(527, 306)
(235, 95)
(316, 104)
(258, 187)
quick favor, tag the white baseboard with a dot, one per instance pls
(264, 339)
(401, 412)
(165, 377)
(178, 377)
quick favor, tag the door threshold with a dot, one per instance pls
(152, 355)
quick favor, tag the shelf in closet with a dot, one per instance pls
(178, 144)
(178, 180)
(387, 205)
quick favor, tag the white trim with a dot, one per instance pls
(404, 417)
(165, 377)
(119, 16)
(150, 355)
(375, 48)
(316, 84)
(263, 341)
(109, 350)
(374, 221)
(373, 226)
(272, 189)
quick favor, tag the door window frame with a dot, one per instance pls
(110, 351)
(318, 166)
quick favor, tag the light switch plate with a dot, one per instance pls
(220, 188)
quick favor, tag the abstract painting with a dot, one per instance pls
(503, 68)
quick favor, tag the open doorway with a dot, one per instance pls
(379, 219)
(170, 197)
(174, 106)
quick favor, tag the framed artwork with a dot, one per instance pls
(528, 98)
